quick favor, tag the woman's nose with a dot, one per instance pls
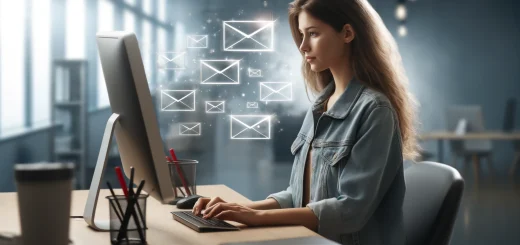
(304, 46)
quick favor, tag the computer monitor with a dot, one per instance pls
(133, 121)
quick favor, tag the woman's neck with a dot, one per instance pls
(342, 75)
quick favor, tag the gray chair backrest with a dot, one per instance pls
(475, 120)
(509, 115)
(432, 199)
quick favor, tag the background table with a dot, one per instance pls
(440, 136)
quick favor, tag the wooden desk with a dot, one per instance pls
(440, 136)
(162, 229)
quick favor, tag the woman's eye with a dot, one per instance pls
(312, 34)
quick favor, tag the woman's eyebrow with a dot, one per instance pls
(308, 28)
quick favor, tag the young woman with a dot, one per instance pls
(347, 179)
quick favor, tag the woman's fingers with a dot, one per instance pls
(214, 201)
(200, 205)
(212, 204)
(220, 207)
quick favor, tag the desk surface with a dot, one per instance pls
(487, 135)
(162, 229)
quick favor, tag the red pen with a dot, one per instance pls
(169, 160)
(122, 181)
(183, 181)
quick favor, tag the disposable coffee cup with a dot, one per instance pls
(44, 197)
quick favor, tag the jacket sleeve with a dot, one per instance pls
(375, 156)
(284, 198)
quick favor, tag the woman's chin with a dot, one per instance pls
(316, 68)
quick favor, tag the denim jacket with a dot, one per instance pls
(357, 185)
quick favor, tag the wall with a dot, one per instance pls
(461, 52)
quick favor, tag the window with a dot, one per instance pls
(147, 7)
(146, 49)
(105, 23)
(161, 10)
(75, 29)
(179, 42)
(129, 20)
(12, 86)
(162, 37)
(41, 61)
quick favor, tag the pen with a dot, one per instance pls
(136, 198)
(180, 189)
(131, 184)
(128, 212)
(129, 198)
(121, 180)
(184, 183)
(118, 205)
(131, 193)
(118, 210)
(139, 208)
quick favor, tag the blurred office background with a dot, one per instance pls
(461, 57)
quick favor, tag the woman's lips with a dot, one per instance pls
(309, 58)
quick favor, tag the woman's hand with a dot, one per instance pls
(234, 212)
(205, 202)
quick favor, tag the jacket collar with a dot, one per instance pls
(343, 105)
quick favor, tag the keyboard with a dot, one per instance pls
(199, 224)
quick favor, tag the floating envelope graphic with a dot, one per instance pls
(252, 104)
(215, 106)
(197, 41)
(171, 60)
(178, 100)
(192, 129)
(248, 36)
(255, 72)
(253, 127)
(220, 71)
(275, 91)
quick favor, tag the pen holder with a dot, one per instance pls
(189, 171)
(130, 231)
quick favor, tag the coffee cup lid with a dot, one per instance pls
(43, 171)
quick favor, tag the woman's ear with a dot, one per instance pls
(348, 33)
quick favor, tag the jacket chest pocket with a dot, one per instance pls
(331, 154)
(331, 158)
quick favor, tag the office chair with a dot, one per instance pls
(509, 126)
(432, 200)
(469, 149)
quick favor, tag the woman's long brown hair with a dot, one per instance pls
(375, 58)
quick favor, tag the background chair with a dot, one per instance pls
(433, 196)
(469, 150)
(509, 126)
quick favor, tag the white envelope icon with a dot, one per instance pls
(247, 36)
(215, 106)
(252, 104)
(220, 71)
(171, 60)
(197, 41)
(253, 127)
(255, 72)
(178, 100)
(275, 91)
(192, 129)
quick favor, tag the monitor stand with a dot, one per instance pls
(93, 194)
